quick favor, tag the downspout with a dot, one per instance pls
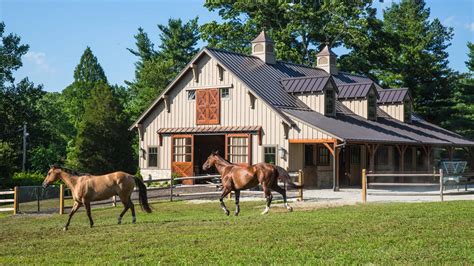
(334, 174)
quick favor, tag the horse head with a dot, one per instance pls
(211, 160)
(54, 174)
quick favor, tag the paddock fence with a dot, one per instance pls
(9, 200)
(170, 189)
(413, 184)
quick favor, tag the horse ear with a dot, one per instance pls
(216, 152)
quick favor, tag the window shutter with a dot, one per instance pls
(213, 106)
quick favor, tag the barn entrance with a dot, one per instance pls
(203, 146)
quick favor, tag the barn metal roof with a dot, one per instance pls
(306, 84)
(355, 90)
(388, 96)
(216, 129)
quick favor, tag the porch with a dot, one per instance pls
(329, 163)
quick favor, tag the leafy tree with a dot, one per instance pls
(299, 28)
(11, 51)
(103, 140)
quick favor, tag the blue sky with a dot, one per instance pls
(59, 31)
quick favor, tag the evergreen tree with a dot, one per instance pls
(144, 51)
(103, 141)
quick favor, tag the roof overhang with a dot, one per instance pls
(210, 130)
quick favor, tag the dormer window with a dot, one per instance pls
(372, 106)
(329, 106)
(407, 111)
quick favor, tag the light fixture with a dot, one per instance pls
(282, 152)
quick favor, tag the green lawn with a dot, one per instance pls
(182, 232)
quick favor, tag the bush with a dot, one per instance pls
(27, 179)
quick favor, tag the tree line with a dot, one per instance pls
(86, 125)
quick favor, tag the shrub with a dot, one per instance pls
(27, 179)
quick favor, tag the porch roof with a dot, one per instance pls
(209, 129)
(352, 128)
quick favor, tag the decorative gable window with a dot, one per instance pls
(330, 102)
(225, 93)
(407, 111)
(191, 95)
(208, 107)
(372, 106)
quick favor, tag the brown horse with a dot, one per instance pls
(88, 188)
(236, 178)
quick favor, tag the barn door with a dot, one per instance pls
(207, 107)
(182, 156)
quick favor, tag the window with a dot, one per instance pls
(382, 155)
(329, 106)
(191, 95)
(152, 157)
(323, 156)
(225, 93)
(269, 48)
(258, 48)
(323, 61)
(407, 111)
(269, 154)
(372, 106)
(355, 155)
(182, 149)
(238, 149)
(308, 155)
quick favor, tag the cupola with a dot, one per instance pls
(326, 60)
(263, 47)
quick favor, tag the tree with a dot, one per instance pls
(144, 51)
(462, 121)
(416, 57)
(11, 51)
(103, 140)
(299, 28)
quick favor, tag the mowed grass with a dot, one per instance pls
(185, 233)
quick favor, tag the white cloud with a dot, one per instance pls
(39, 60)
(470, 26)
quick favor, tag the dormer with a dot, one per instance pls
(360, 98)
(326, 60)
(397, 103)
(263, 47)
(318, 93)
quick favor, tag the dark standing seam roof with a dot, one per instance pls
(264, 79)
(392, 95)
(305, 84)
(354, 90)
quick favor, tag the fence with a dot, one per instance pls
(173, 188)
(365, 182)
(13, 200)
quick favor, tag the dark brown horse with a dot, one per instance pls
(88, 188)
(236, 178)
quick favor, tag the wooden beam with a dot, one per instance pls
(331, 150)
(310, 141)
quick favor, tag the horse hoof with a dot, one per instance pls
(236, 214)
(64, 228)
(92, 225)
(227, 212)
(290, 209)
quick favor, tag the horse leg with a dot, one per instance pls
(126, 206)
(282, 191)
(237, 198)
(88, 210)
(221, 199)
(269, 197)
(75, 207)
(132, 207)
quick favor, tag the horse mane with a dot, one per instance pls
(70, 171)
(223, 159)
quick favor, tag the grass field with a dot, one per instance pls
(183, 232)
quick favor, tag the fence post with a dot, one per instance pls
(114, 201)
(171, 187)
(15, 200)
(61, 199)
(300, 181)
(441, 184)
(364, 186)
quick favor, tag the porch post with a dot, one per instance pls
(428, 150)
(401, 151)
(372, 149)
(450, 152)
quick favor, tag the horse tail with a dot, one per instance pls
(142, 196)
(285, 177)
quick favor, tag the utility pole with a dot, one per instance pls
(25, 135)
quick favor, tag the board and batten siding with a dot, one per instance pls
(313, 101)
(235, 111)
(358, 106)
(393, 110)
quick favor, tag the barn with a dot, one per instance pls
(253, 108)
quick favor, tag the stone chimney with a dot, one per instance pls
(263, 47)
(326, 60)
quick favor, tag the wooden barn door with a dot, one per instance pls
(208, 107)
(182, 156)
